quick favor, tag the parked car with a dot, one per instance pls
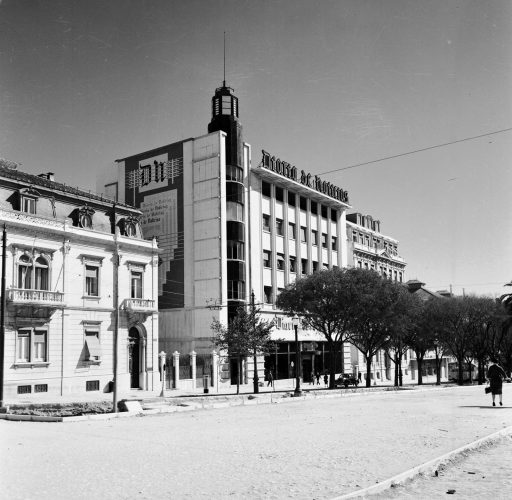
(345, 380)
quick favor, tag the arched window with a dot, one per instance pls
(24, 272)
(41, 274)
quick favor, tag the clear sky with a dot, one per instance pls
(324, 85)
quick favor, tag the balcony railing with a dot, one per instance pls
(37, 297)
(139, 305)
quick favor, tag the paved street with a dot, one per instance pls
(313, 448)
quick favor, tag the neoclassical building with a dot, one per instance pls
(80, 291)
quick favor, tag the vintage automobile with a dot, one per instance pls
(345, 380)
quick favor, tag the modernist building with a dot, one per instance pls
(228, 226)
(79, 279)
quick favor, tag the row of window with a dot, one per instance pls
(292, 234)
(34, 274)
(83, 215)
(365, 239)
(315, 208)
(292, 263)
(32, 345)
(384, 271)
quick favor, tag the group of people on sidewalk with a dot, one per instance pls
(495, 375)
(269, 377)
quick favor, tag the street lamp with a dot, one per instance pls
(295, 323)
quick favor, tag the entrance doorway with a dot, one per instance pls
(134, 357)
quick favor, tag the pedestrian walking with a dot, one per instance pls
(495, 375)
(312, 381)
(270, 379)
(326, 380)
(317, 378)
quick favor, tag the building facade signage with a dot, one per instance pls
(313, 181)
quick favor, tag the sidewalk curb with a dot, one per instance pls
(227, 401)
(428, 467)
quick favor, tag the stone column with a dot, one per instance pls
(193, 356)
(176, 360)
(215, 369)
(143, 363)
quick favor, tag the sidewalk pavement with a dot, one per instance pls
(280, 386)
(483, 473)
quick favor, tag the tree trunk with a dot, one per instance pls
(396, 370)
(256, 382)
(438, 369)
(332, 367)
(419, 360)
(400, 375)
(368, 370)
(239, 363)
(460, 380)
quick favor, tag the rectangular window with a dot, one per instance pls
(266, 222)
(291, 231)
(314, 207)
(236, 290)
(291, 199)
(24, 389)
(315, 266)
(91, 280)
(303, 237)
(28, 205)
(41, 388)
(280, 262)
(31, 346)
(92, 343)
(266, 189)
(23, 350)
(303, 266)
(136, 285)
(293, 264)
(92, 385)
(334, 215)
(39, 346)
(334, 243)
(279, 227)
(324, 240)
(314, 237)
(279, 193)
(303, 203)
(267, 258)
(235, 250)
(354, 236)
(267, 292)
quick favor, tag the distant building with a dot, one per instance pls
(370, 249)
(77, 273)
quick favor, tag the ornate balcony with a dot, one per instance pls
(27, 303)
(139, 309)
(27, 297)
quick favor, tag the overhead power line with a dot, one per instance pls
(416, 151)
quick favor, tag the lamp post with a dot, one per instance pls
(295, 323)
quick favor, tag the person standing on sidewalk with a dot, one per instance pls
(270, 379)
(495, 375)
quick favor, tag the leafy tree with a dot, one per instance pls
(457, 331)
(325, 301)
(245, 335)
(404, 323)
(482, 323)
(425, 337)
(380, 304)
